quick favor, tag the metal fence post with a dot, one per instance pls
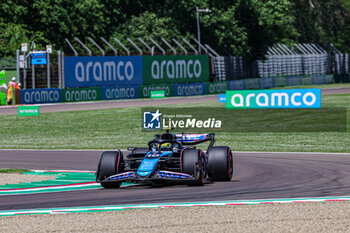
(62, 66)
(33, 76)
(165, 42)
(122, 45)
(17, 64)
(109, 45)
(84, 46)
(25, 71)
(48, 71)
(158, 46)
(59, 68)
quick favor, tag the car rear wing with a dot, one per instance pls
(194, 139)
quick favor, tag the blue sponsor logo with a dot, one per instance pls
(152, 120)
(120, 92)
(147, 166)
(103, 71)
(189, 89)
(37, 96)
(190, 137)
(222, 98)
(38, 59)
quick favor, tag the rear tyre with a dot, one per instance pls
(111, 163)
(220, 163)
(193, 162)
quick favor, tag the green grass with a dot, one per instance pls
(13, 170)
(121, 127)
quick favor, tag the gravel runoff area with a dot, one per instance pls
(292, 217)
(295, 217)
(11, 178)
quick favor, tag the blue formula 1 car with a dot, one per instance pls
(168, 159)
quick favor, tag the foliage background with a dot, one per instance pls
(237, 27)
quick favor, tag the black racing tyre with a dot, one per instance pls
(220, 163)
(111, 163)
(193, 162)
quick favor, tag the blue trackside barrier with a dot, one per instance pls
(189, 89)
(40, 96)
(216, 87)
(328, 79)
(252, 84)
(307, 80)
(56, 95)
(235, 85)
(266, 83)
(293, 80)
(318, 79)
(120, 92)
(280, 81)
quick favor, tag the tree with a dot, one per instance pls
(322, 22)
(238, 27)
(265, 23)
(147, 25)
(12, 35)
(221, 28)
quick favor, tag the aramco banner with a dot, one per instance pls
(40, 96)
(288, 98)
(175, 69)
(102, 71)
(81, 94)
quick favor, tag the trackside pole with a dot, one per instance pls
(33, 76)
(59, 69)
(62, 67)
(17, 65)
(25, 71)
(48, 70)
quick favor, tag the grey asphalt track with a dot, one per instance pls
(256, 176)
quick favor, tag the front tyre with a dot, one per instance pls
(111, 163)
(193, 162)
(220, 163)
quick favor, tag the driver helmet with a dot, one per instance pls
(165, 146)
